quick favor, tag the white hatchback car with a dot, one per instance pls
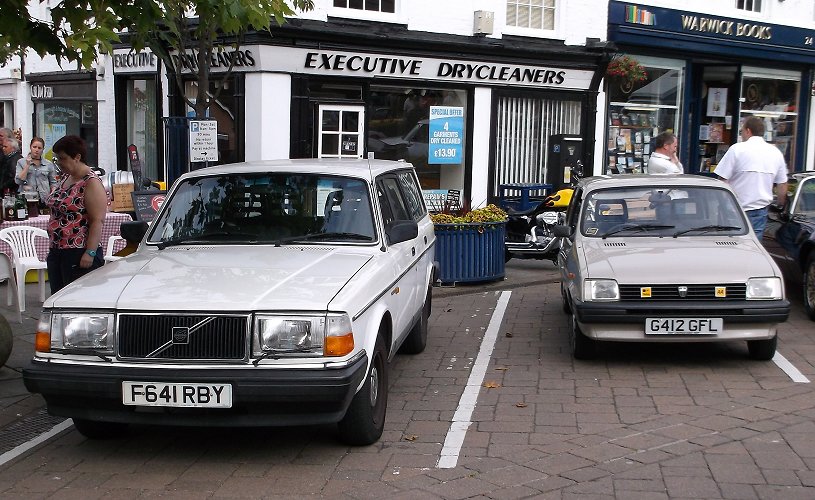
(666, 259)
(264, 293)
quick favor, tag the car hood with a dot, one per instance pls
(677, 260)
(217, 278)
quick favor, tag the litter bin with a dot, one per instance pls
(520, 197)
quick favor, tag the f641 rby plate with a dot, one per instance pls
(194, 395)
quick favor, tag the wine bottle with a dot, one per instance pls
(21, 207)
(8, 206)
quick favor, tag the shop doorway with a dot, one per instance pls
(716, 125)
(341, 131)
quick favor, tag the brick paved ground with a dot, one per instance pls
(666, 421)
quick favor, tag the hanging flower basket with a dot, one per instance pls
(626, 71)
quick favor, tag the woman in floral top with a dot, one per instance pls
(78, 205)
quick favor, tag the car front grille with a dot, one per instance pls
(183, 337)
(732, 291)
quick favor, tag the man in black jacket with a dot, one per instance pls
(8, 165)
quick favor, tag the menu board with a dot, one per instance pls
(147, 203)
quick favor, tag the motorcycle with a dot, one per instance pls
(529, 232)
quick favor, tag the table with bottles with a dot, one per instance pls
(110, 227)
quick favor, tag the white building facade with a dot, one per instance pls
(478, 94)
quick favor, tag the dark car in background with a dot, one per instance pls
(790, 236)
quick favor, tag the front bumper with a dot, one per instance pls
(743, 320)
(260, 396)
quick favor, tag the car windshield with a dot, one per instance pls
(661, 211)
(805, 199)
(276, 208)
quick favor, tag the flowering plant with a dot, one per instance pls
(627, 69)
(490, 213)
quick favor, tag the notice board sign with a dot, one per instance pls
(147, 203)
(446, 139)
(203, 140)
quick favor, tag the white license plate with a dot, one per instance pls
(683, 326)
(196, 395)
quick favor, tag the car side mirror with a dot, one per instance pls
(133, 231)
(401, 230)
(562, 230)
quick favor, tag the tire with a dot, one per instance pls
(762, 350)
(567, 307)
(99, 430)
(581, 346)
(507, 255)
(809, 286)
(417, 338)
(365, 419)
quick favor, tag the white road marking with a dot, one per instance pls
(789, 369)
(466, 404)
(45, 436)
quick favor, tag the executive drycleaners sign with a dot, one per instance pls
(343, 63)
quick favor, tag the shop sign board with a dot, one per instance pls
(203, 140)
(445, 144)
(453, 71)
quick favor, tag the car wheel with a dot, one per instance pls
(417, 338)
(581, 346)
(567, 308)
(762, 350)
(99, 430)
(809, 286)
(365, 419)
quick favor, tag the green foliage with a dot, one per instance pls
(490, 213)
(79, 29)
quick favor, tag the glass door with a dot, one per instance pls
(340, 134)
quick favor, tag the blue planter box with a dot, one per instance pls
(470, 252)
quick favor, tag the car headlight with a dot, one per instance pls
(600, 290)
(764, 288)
(325, 335)
(69, 331)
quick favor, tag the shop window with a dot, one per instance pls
(340, 134)
(56, 119)
(224, 109)
(534, 14)
(400, 128)
(525, 129)
(751, 5)
(638, 112)
(141, 123)
(773, 96)
(388, 6)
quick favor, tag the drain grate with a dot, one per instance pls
(26, 429)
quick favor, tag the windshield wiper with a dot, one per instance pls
(712, 227)
(203, 237)
(323, 236)
(85, 352)
(275, 354)
(634, 227)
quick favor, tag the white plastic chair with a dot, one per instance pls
(24, 253)
(110, 249)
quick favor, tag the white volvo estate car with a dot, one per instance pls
(264, 293)
(666, 259)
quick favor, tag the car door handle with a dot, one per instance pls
(413, 251)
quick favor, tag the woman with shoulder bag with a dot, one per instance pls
(78, 205)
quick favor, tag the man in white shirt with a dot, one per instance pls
(752, 167)
(664, 159)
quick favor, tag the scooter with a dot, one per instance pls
(529, 232)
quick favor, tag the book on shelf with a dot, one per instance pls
(615, 119)
(716, 132)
